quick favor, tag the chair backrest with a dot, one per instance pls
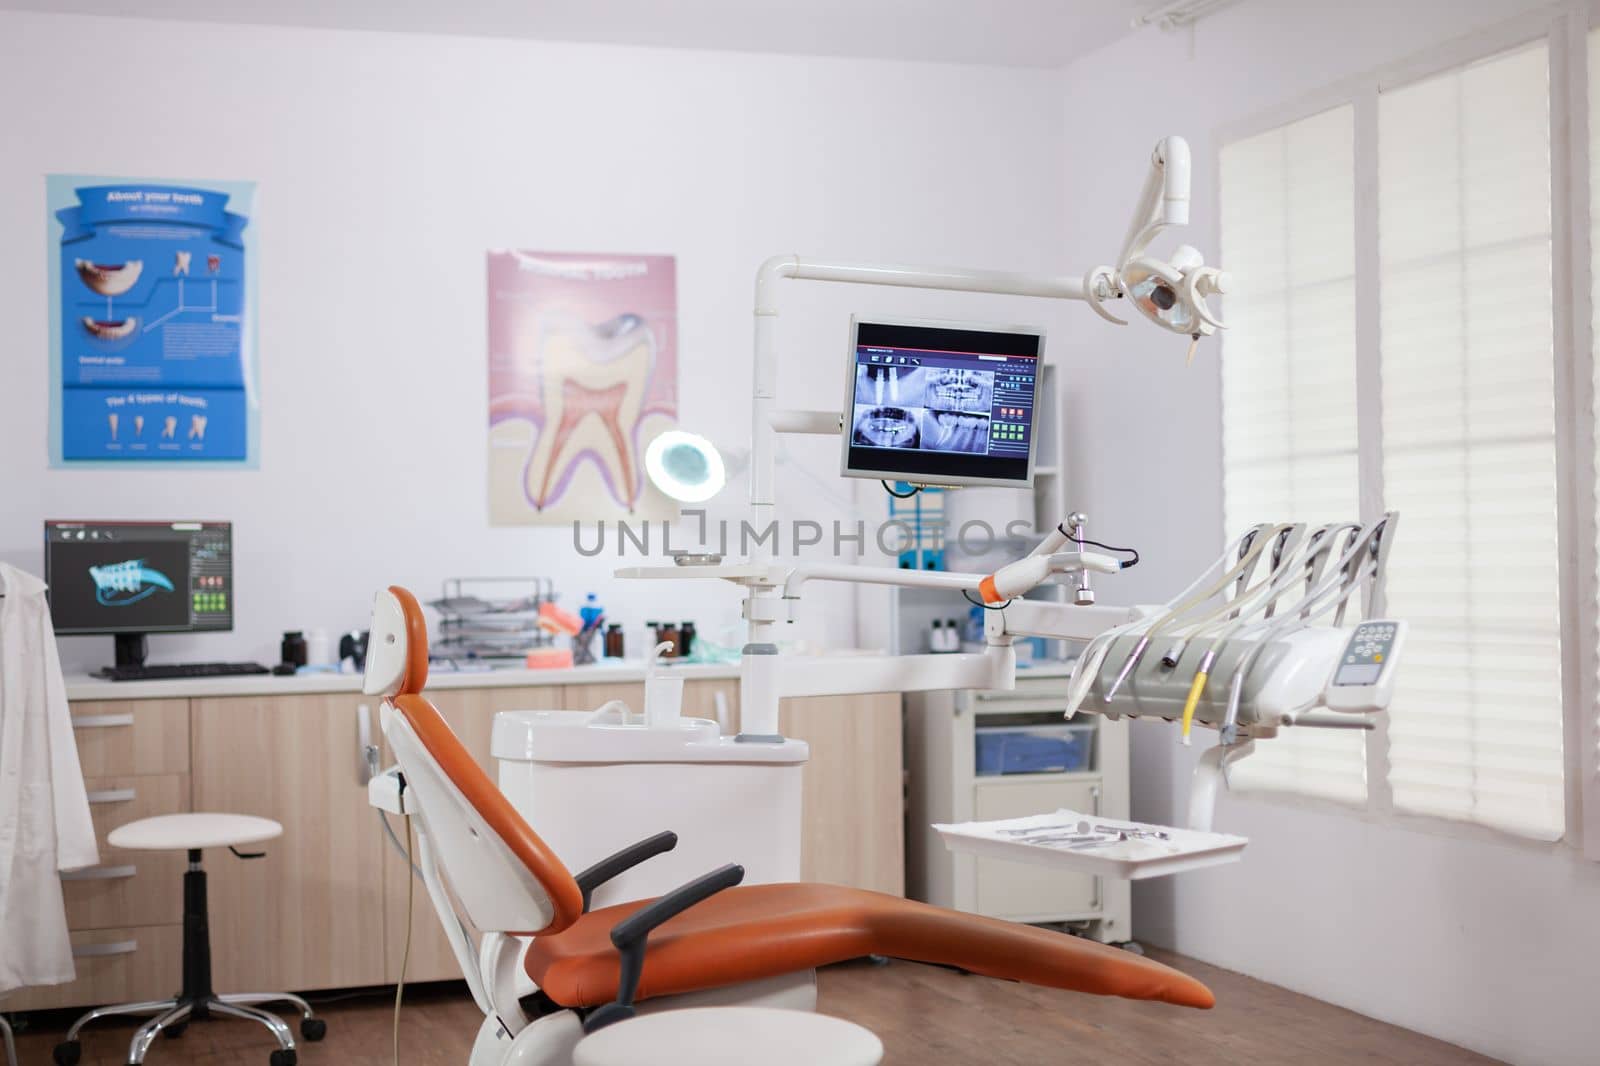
(506, 878)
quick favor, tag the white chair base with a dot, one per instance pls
(731, 1036)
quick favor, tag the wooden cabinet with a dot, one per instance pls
(132, 737)
(326, 906)
(114, 966)
(129, 887)
(853, 810)
(311, 913)
(125, 913)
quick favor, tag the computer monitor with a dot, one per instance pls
(941, 404)
(127, 579)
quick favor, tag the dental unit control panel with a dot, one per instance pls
(1365, 675)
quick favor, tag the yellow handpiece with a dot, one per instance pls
(1193, 700)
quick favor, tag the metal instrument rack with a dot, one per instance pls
(492, 619)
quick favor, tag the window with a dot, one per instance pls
(1468, 373)
(1289, 378)
(1461, 369)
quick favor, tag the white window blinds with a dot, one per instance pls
(1288, 379)
(1469, 443)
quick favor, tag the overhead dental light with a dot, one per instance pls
(1170, 293)
(685, 466)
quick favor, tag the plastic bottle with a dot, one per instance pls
(591, 611)
(952, 636)
(936, 636)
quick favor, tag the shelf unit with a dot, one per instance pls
(910, 613)
(941, 754)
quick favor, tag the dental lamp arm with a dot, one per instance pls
(875, 575)
(1164, 200)
(1028, 573)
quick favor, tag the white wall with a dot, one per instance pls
(1493, 945)
(387, 164)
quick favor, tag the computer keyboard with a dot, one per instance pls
(168, 671)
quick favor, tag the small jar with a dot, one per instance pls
(294, 648)
(613, 643)
(685, 639)
(666, 631)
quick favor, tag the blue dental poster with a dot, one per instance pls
(152, 333)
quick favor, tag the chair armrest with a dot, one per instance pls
(623, 861)
(631, 937)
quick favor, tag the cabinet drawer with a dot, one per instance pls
(129, 888)
(114, 966)
(1021, 890)
(122, 737)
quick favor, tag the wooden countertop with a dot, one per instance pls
(84, 687)
(81, 687)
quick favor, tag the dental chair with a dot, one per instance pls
(710, 942)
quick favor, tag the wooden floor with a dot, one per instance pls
(924, 1015)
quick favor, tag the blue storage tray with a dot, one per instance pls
(1038, 750)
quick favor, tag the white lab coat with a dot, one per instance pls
(44, 808)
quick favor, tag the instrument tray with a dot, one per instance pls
(1090, 844)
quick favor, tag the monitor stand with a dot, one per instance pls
(131, 649)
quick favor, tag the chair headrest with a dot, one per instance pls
(397, 648)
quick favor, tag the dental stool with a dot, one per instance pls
(731, 1036)
(196, 1001)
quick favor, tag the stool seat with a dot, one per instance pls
(731, 1036)
(187, 832)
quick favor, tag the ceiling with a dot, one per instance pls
(1011, 33)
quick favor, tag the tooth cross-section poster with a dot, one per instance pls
(583, 374)
(152, 334)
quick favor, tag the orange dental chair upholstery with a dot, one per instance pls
(709, 941)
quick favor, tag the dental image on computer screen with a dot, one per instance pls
(888, 427)
(950, 404)
(960, 390)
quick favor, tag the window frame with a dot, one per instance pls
(1565, 28)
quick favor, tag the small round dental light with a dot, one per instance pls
(1153, 288)
(685, 466)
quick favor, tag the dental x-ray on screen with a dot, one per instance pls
(937, 404)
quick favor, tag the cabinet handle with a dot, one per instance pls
(102, 721)
(111, 795)
(96, 951)
(100, 873)
(366, 750)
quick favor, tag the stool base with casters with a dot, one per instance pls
(197, 1001)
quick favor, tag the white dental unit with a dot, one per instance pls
(1243, 658)
(1237, 651)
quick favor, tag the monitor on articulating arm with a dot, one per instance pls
(935, 403)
